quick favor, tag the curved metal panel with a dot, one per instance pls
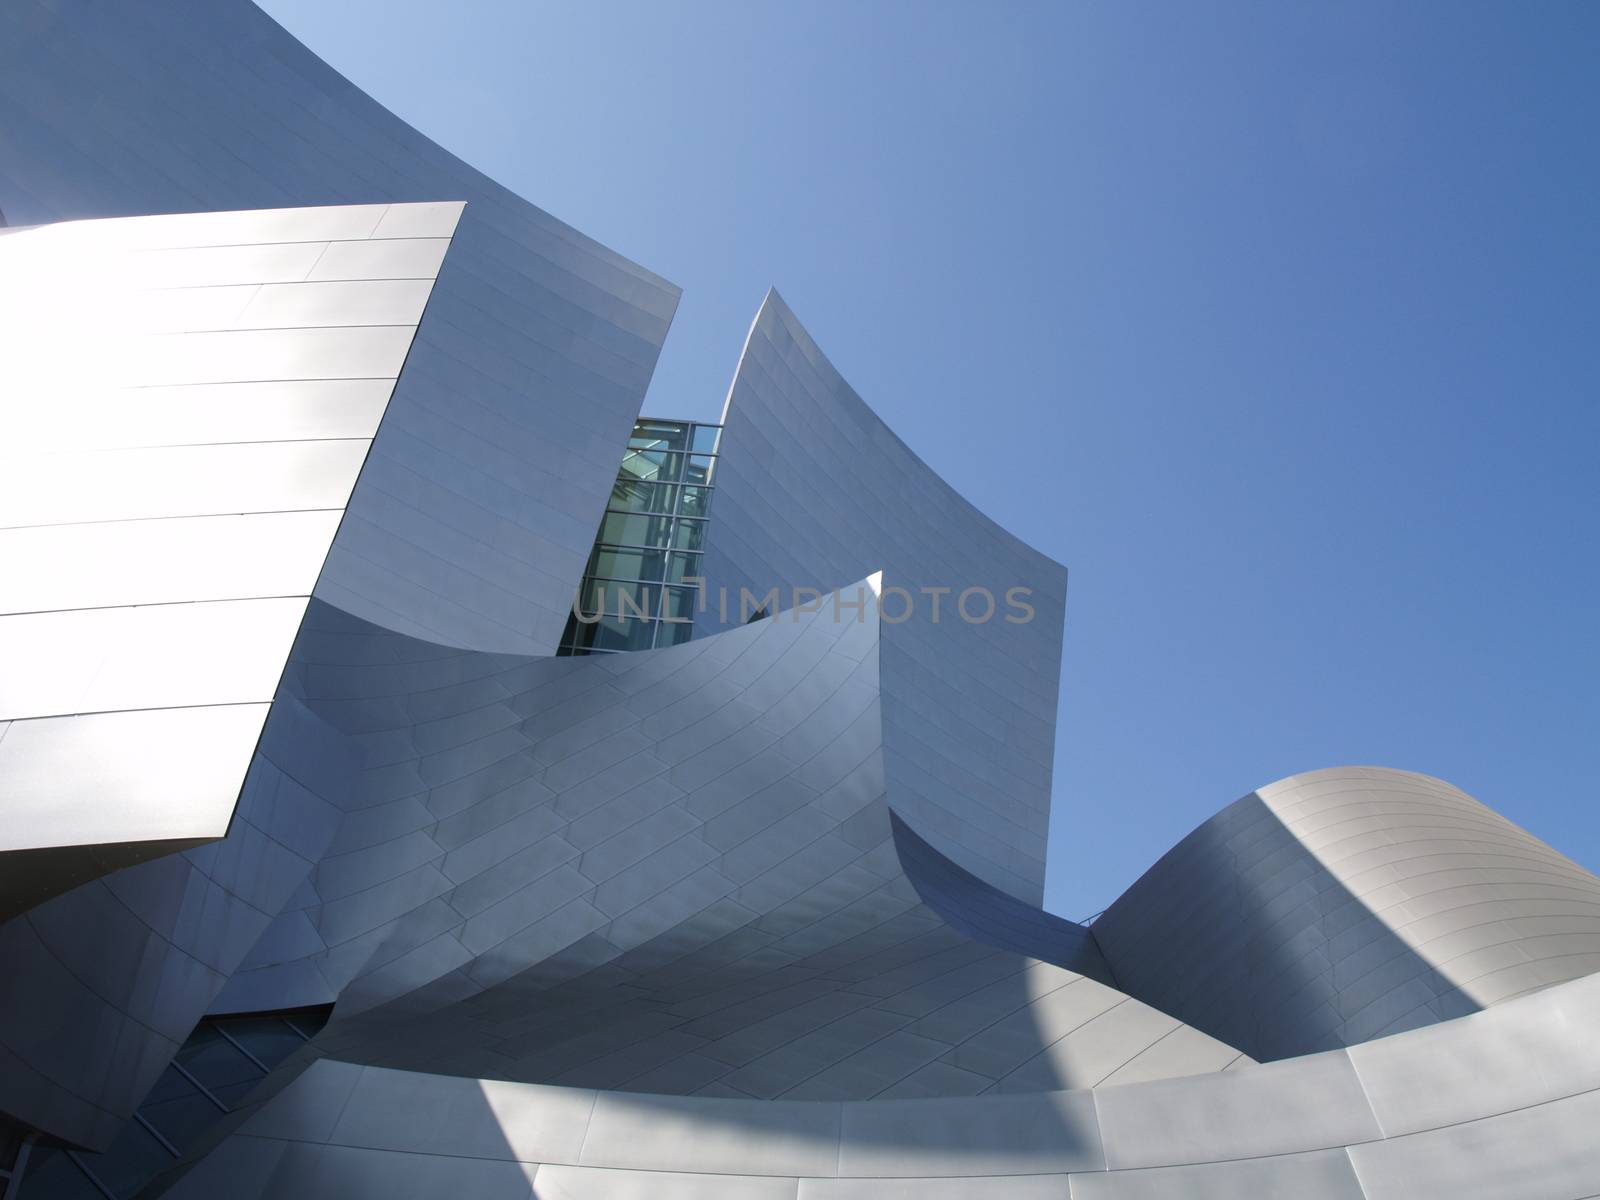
(204, 609)
(481, 495)
(746, 916)
(160, 579)
(1342, 905)
(996, 918)
(672, 871)
(104, 982)
(815, 491)
(1510, 1099)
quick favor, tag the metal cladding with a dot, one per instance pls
(188, 402)
(1500, 1103)
(481, 495)
(750, 915)
(670, 871)
(815, 492)
(1342, 905)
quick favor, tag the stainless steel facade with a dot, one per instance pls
(480, 499)
(1500, 1103)
(750, 915)
(672, 872)
(814, 492)
(1344, 905)
(188, 401)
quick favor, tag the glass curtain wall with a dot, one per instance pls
(211, 1076)
(639, 591)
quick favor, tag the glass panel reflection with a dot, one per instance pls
(131, 1160)
(577, 638)
(672, 635)
(652, 465)
(612, 634)
(677, 604)
(663, 435)
(268, 1038)
(219, 1066)
(615, 563)
(683, 566)
(638, 495)
(660, 501)
(698, 470)
(689, 535)
(178, 1109)
(633, 529)
(613, 598)
(694, 501)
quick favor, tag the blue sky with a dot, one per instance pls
(1275, 322)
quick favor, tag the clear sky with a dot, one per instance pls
(1276, 323)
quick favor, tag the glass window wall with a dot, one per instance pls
(213, 1073)
(652, 532)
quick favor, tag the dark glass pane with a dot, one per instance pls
(706, 438)
(672, 634)
(635, 530)
(219, 1066)
(626, 564)
(683, 566)
(651, 465)
(636, 495)
(311, 1022)
(611, 598)
(698, 470)
(689, 535)
(51, 1173)
(678, 603)
(661, 435)
(268, 1038)
(577, 637)
(131, 1161)
(694, 501)
(612, 634)
(591, 605)
(176, 1107)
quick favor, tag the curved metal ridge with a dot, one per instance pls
(481, 495)
(991, 916)
(1341, 905)
(1503, 1102)
(665, 871)
(814, 492)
